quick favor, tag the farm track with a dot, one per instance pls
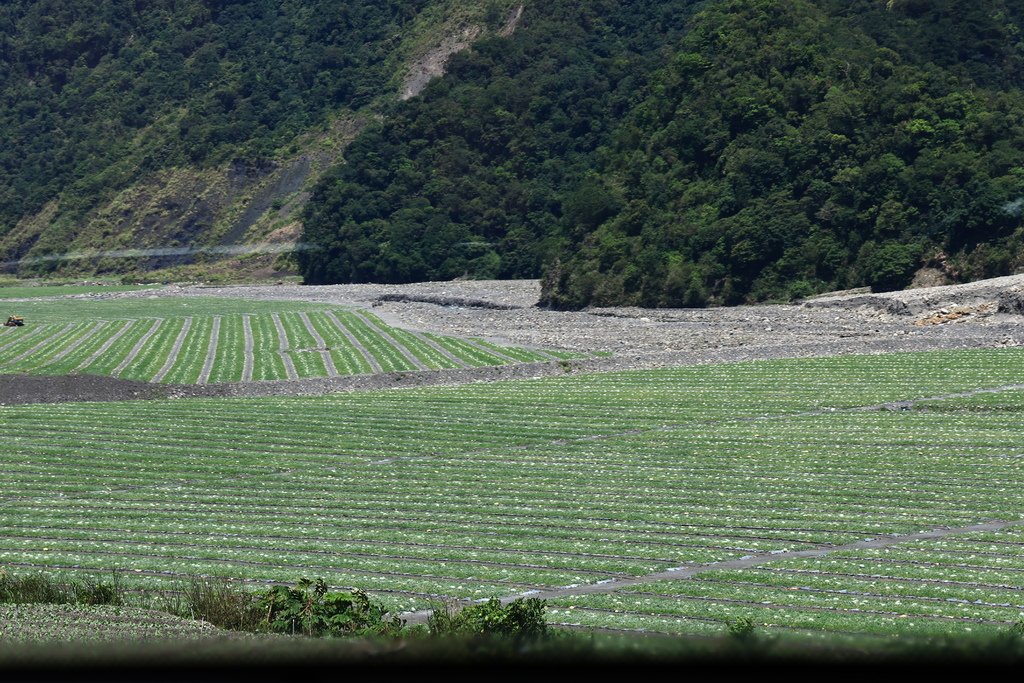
(684, 573)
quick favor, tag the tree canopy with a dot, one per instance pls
(645, 153)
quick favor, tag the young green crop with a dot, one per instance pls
(198, 341)
(481, 490)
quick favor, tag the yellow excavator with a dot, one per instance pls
(14, 321)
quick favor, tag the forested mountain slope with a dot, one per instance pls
(163, 125)
(473, 177)
(682, 152)
(642, 154)
(793, 147)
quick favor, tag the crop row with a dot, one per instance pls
(921, 587)
(240, 347)
(481, 490)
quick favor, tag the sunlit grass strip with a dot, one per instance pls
(112, 356)
(174, 350)
(766, 579)
(471, 354)
(70, 346)
(849, 602)
(267, 361)
(248, 348)
(676, 615)
(137, 347)
(51, 340)
(320, 345)
(36, 291)
(62, 311)
(347, 357)
(100, 361)
(283, 347)
(382, 330)
(515, 353)
(12, 337)
(387, 356)
(428, 354)
(302, 347)
(230, 359)
(73, 354)
(189, 361)
(211, 351)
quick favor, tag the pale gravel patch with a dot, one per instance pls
(138, 347)
(321, 345)
(409, 356)
(635, 338)
(248, 351)
(106, 345)
(355, 342)
(211, 351)
(282, 338)
(630, 332)
(172, 357)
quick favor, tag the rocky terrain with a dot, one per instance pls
(984, 314)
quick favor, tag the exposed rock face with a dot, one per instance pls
(929, 277)
(432, 64)
(1011, 301)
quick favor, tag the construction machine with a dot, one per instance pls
(14, 321)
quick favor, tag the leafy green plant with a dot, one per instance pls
(223, 604)
(521, 619)
(742, 629)
(311, 609)
(40, 588)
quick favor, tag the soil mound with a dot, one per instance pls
(17, 389)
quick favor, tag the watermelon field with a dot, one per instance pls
(855, 495)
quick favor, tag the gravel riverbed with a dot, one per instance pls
(984, 314)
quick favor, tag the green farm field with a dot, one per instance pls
(873, 495)
(218, 340)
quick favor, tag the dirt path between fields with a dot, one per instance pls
(747, 562)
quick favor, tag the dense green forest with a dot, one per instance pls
(471, 178)
(794, 147)
(683, 152)
(95, 95)
(638, 153)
